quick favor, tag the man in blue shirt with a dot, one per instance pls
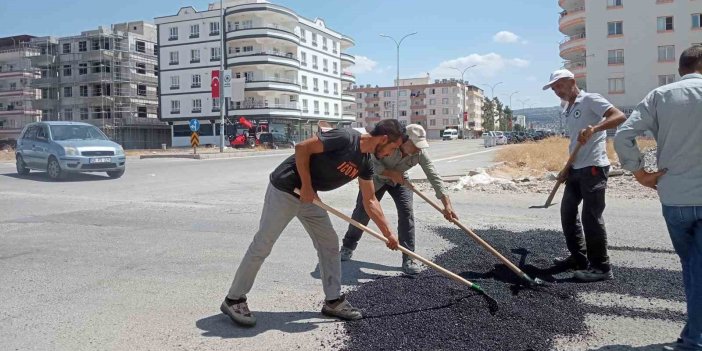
(587, 117)
(673, 113)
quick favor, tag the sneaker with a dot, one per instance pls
(345, 253)
(411, 267)
(238, 311)
(342, 309)
(568, 263)
(592, 275)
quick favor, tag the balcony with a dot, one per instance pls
(264, 109)
(347, 60)
(21, 73)
(348, 97)
(43, 60)
(14, 93)
(19, 112)
(418, 106)
(263, 57)
(346, 43)
(348, 77)
(372, 99)
(272, 83)
(264, 31)
(372, 108)
(572, 21)
(578, 68)
(573, 41)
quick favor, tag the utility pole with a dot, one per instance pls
(463, 92)
(397, 83)
(222, 58)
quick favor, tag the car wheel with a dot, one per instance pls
(115, 174)
(54, 169)
(21, 166)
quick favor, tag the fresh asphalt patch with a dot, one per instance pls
(431, 312)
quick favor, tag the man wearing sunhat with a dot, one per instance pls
(389, 176)
(588, 116)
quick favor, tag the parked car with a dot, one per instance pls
(520, 137)
(275, 140)
(450, 134)
(539, 135)
(511, 138)
(61, 148)
(500, 138)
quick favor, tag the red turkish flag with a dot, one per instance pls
(465, 116)
(215, 84)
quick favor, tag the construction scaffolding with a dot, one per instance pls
(108, 78)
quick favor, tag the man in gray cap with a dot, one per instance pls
(389, 176)
(587, 117)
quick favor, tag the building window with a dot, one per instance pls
(336, 109)
(195, 31)
(197, 82)
(140, 68)
(316, 107)
(326, 87)
(336, 70)
(696, 20)
(175, 82)
(314, 62)
(84, 113)
(141, 112)
(666, 79)
(403, 93)
(304, 82)
(615, 57)
(616, 85)
(197, 106)
(334, 47)
(665, 24)
(614, 3)
(403, 103)
(214, 28)
(141, 90)
(215, 105)
(325, 65)
(387, 114)
(67, 70)
(403, 113)
(432, 112)
(336, 88)
(173, 58)
(432, 122)
(444, 101)
(67, 48)
(215, 54)
(303, 35)
(666, 53)
(82, 46)
(68, 114)
(446, 121)
(175, 107)
(314, 39)
(141, 47)
(315, 84)
(305, 107)
(326, 109)
(387, 93)
(324, 43)
(67, 91)
(445, 111)
(82, 68)
(83, 90)
(195, 56)
(615, 28)
(303, 58)
(173, 33)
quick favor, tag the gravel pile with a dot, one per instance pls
(431, 312)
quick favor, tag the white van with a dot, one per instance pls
(450, 134)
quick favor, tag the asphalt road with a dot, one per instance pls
(143, 262)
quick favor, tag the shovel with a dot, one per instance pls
(571, 159)
(479, 240)
(492, 303)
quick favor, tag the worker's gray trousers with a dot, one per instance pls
(279, 208)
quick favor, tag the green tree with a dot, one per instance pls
(488, 115)
(508, 117)
(499, 113)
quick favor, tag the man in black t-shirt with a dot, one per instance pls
(322, 163)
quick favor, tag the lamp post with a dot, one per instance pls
(463, 92)
(492, 88)
(397, 92)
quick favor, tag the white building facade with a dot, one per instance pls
(295, 69)
(622, 49)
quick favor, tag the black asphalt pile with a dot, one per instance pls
(431, 312)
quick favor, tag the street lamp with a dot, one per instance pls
(397, 44)
(463, 92)
(510, 106)
(492, 88)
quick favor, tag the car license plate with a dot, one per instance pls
(100, 160)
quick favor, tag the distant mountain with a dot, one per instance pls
(541, 117)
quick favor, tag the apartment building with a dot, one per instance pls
(435, 105)
(17, 97)
(294, 68)
(622, 49)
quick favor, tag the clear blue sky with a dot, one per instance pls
(450, 33)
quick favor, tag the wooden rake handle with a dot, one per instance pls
(379, 236)
(569, 163)
(470, 233)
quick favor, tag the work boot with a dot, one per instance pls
(341, 309)
(410, 267)
(346, 253)
(592, 275)
(238, 311)
(568, 263)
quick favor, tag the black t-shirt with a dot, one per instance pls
(341, 162)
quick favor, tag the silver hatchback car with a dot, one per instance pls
(61, 148)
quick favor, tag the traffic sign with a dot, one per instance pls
(194, 125)
(227, 83)
(194, 140)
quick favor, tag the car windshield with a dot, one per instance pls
(76, 132)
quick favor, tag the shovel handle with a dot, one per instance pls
(379, 236)
(470, 233)
(571, 160)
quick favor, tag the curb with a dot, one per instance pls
(196, 157)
